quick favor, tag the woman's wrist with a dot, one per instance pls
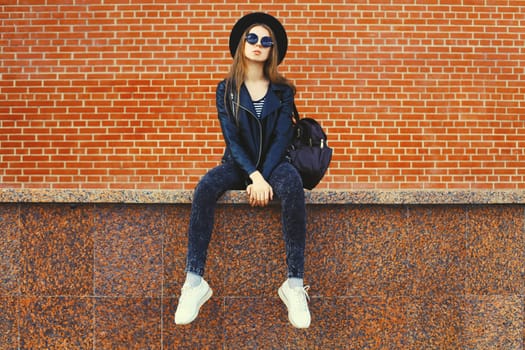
(256, 176)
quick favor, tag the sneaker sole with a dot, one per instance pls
(285, 301)
(204, 299)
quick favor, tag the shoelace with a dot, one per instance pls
(305, 290)
(186, 291)
(302, 297)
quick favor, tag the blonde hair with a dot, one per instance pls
(236, 75)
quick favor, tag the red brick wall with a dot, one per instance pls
(120, 94)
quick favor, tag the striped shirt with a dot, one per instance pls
(258, 105)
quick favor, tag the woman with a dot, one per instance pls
(254, 105)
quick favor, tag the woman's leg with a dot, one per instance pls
(287, 185)
(212, 185)
(196, 291)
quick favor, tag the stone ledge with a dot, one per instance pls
(9, 195)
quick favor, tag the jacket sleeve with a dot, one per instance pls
(282, 135)
(230, 133)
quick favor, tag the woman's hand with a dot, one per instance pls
(260, 192)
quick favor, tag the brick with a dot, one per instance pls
(407, 88)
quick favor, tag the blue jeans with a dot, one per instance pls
(287, 186)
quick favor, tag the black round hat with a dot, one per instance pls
(259, 18)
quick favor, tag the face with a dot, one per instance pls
(257, 52)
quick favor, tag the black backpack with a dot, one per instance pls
(309, 151)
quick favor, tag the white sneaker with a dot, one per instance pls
(295, 300)
(190, 301)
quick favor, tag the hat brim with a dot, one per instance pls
(259, 18)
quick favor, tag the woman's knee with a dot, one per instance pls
(217, 181)
(287, 178)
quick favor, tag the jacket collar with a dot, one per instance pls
(271, 104)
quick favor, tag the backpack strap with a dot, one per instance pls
(295, 114)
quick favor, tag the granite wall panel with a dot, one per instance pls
(59, 322)
(206, 332)
(438, 249)
(432, 321)
(56, 250)
(9, 322)
(492, 322)
(127, 322)
(327, 265)
(9, 250)
(128, 250)
(253, 254)
(108, 276)
(379, 249)
(495, 250)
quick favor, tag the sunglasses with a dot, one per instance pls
(252, 38)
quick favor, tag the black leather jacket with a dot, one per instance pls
(257, 143)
